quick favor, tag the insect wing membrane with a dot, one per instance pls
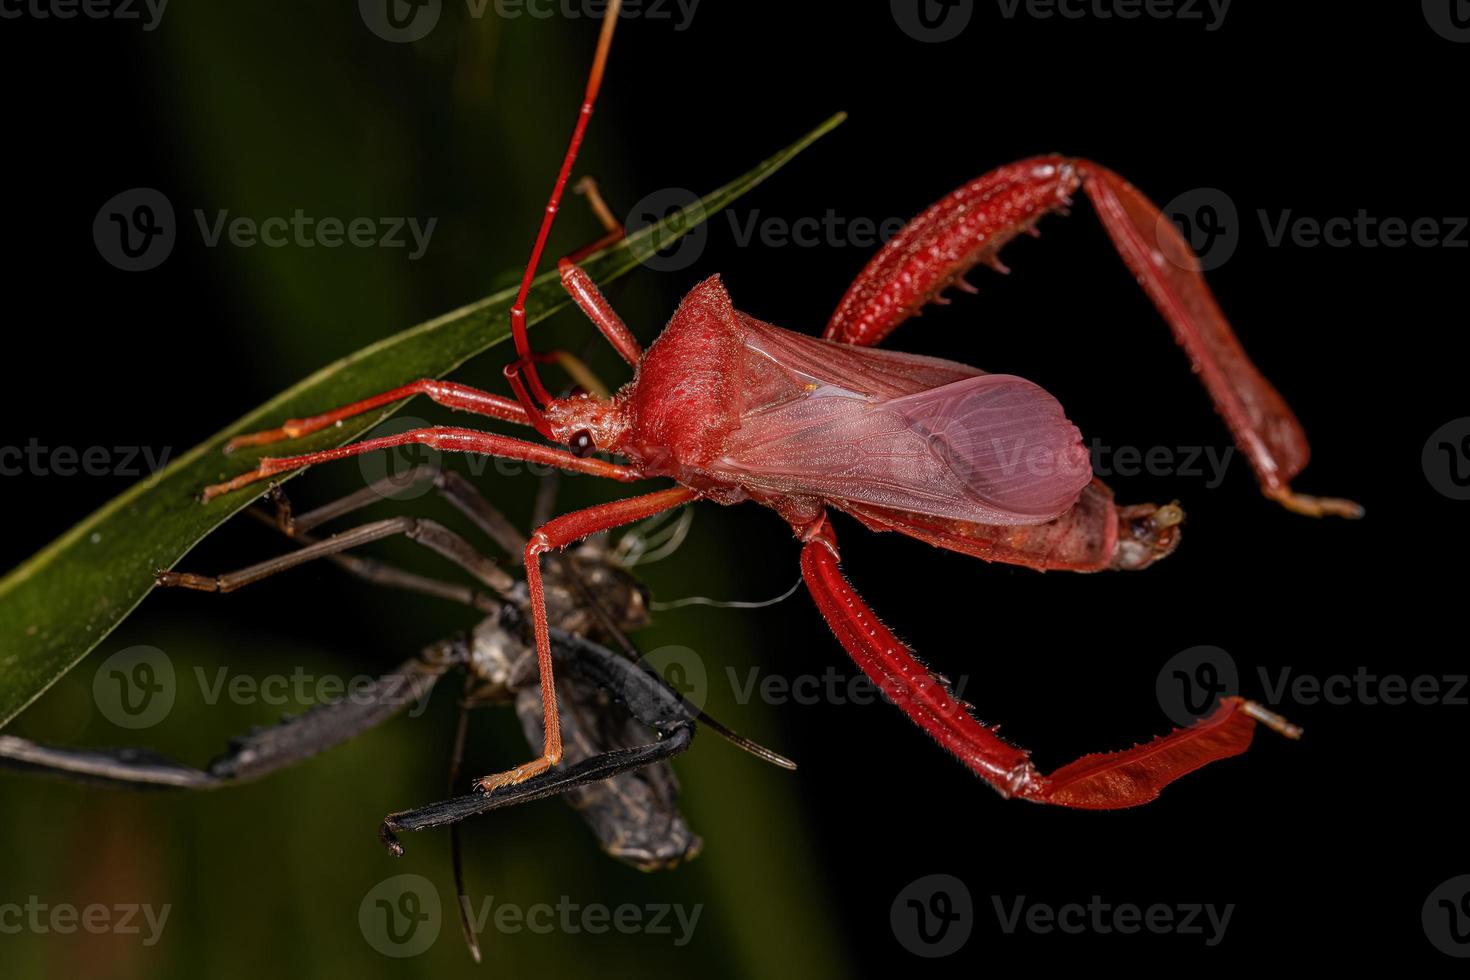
(991, 449)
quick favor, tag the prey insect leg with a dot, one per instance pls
(645, 696)
(255, 755)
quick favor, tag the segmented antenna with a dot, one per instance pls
(537, 397)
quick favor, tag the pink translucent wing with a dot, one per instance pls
(866, 371)
(991, 449)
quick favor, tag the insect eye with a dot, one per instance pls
(581, 443)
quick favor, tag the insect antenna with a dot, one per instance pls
(537, 397)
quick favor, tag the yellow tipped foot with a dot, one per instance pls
(1167, 516)
(268, 467)
(519, 774)
(1316, 506)
(1272, 720)
(285, 432)
(290, 429)
(185, 580)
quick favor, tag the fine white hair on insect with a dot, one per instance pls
(650, 542)
(699, 600)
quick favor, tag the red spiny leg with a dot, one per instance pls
(970, 225)
(1105, 781)
(558, 533)
(443, 438)
(447, 393)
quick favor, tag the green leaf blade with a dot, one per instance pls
(63, 601)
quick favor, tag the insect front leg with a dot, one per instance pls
(1096, 782)
(443, 438)
(447, 393)
(972, 224)
(559, 533)
(643, 693)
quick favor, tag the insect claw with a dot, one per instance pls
(1272, 720)
(390, 840)
(1167, 516)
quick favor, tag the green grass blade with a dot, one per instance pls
(64, 600)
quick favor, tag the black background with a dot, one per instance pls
(1327, 847)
